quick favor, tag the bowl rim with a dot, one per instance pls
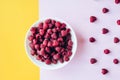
(29, 56)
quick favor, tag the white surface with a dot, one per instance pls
(41, 64)
(77, 13)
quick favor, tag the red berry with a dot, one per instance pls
(60, 39)
(37, 46)
(55, 43)
(61, 60)
(70, 43)
(64, 33)
(54, 61)
(33, 30)
(45, 26)
(30, 38)
(48, 62)
(106, 51)
(63, 26)
(42, 52)
(105, 31)
(41, 31)
(118, 22)
(115, 61)
(116, 40)
(58, 49)
(49, 31)
(92, 39)
(56, 56)
(54, 36)
(92, 19)
(49, 44)
(69, 53)
(105, 10)
(32, 52)
(65, 58)
(93, 60)
(45, 42)
(40, 25)
(117, 1)
(47, 49)
(57, 24)
(53, 22)
(34, 41)
(48, 21)
(31, 46)
(38, 57)
(104, 71)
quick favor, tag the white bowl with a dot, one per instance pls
(42, 64)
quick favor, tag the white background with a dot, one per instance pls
(77, 13)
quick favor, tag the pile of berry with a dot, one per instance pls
(51, 42)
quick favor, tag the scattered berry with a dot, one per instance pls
(116, 40)
(104, 71)
(118, 22)
(92, 19)
(105, 10)
(93, 60)
(106, 51)
(115, 61)
(117, 1)
(92, 39)
(105, 31)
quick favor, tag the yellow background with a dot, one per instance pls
(16, 16)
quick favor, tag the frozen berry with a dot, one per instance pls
(106, 51)
(104, 71)
(92, 19)
(92, 39)
(105, 10)
(115, 61)
(105, 31)
(116, 40)
(93, 60)
(118, 22)
(117, 1)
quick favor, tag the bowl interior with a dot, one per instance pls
(42, 64)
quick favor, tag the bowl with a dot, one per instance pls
(42, 64)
